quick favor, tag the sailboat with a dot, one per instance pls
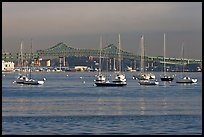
(185, 79)
(100, 77)
(119, 79)
(119, 76)
(165, 77)
(144, 77)
(29, 80)
(21, 77)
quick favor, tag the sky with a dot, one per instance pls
(80, 25)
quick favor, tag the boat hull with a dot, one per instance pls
(148, 82)
(167, 79)
(110, 84)
(19, 82)
(30, 82)
(34, 82)
(186, 80)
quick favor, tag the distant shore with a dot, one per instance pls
(87, 71)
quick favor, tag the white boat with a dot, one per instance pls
(110, 84)
(119, 76)
(21, 77)
(130, 69)
(119, 79)
(185, 79)
(100, 77)
(145, 78)
(148, 82)
(24, 79)
(165, 77)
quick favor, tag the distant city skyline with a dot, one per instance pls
(80, 24)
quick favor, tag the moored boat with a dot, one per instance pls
(119, 76)
(148, 82)
(185, 79)
(100, 77)
(145, 78)
(110, 84)
(28, 80)
(165, 77)
(118, 79)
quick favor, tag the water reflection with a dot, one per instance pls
(109, 106)
(164, 104)
(142, 106)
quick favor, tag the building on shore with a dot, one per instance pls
(7, 66)
(80, 68)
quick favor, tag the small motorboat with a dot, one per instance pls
(186, 80)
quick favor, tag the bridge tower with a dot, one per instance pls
(60, 62)
(114, 67)
(110, 67)
(64, 61)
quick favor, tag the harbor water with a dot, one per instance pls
(70, 103)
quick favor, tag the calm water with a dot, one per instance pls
(73, 105)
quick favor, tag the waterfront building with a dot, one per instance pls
(81, 68)
(7, 66)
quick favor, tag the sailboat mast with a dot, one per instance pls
(119, 55)
(30, 58)
(142, 54)
(99, 71)
(164, 53)
(114, 69)
(107, 67)
(182, 57)
(21, 52)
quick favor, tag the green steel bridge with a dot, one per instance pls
(111, 51)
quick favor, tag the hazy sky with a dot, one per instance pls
(80, 24)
